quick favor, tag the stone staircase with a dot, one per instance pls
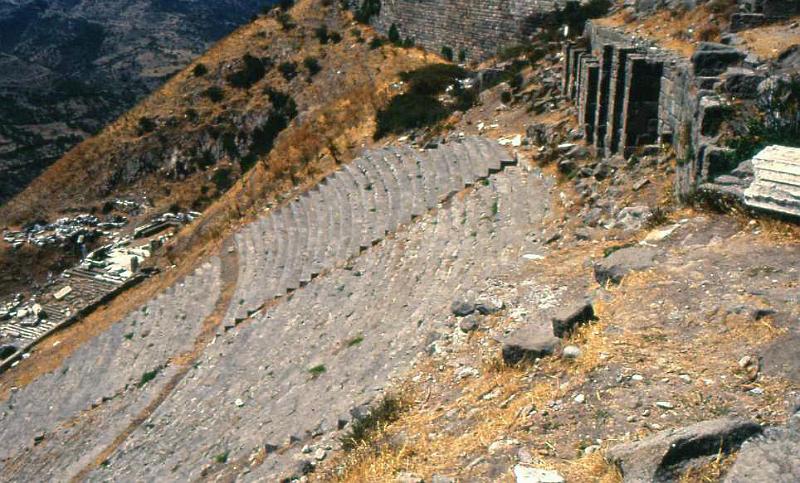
(368, 315)
(777, 184)
(351, 210)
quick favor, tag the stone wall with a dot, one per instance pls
(632, 96)
(754, 13)
(478, 27)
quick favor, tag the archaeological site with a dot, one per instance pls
(439, 241)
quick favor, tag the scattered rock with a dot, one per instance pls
(408, 478)
(771, 458)
(615, 266)
(239, 403)
(571, 352)
(63, 292)
(462, 308)
(570, 316)
(303, 467)
(468, 323)
(320, 454)
(488, 308)
(528, 344)
(712, 59)
(661, 456)
(580, 399)
(633, 218)
(528, 474)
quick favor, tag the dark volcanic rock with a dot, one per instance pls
(529, 343)
(712, 59)
(462, 308)
(571, 315)
(615, 266)
(659, 457)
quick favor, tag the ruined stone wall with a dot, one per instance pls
(632, 96)
(478, 27)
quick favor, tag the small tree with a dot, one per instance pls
(312, 65)
(214, 93)
(394, 35)
(146, 125)
(462, 56)
(447, 53)
(288, 70)
(322, 34)
(200, 70)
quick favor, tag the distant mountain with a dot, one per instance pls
(68, 67)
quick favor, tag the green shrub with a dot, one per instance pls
(288, 70)
(321, 33)
(281, 102)
(222, 179)
(214, 93)
(447, 53)
(462, 56)
(419, 106)
(312, 66)
(408, 43)
(147, 377)
(409, 111)
(361, 430)
(286, 21)
(252, 70)
(335, 37)
(222, 458)
(506, 97)
(375, 43)
(433, 79)
(146, 125)
(200, 70)
(369, 8)
(317, 371)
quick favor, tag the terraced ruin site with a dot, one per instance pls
(585, 267)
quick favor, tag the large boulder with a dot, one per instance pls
(571, 315)
(529, 343)
(743, 83)
(660, 457)
(615, 266)
(712, 59)
(771, 458)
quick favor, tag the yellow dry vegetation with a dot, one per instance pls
(336, 106)
(770, 41)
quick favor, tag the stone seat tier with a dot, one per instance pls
(352, 209)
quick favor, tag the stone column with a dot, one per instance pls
(616, 89)
(603, 95)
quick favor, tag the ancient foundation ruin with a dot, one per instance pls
(633, 97)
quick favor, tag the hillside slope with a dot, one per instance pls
(68, 68)
(493, 303)
(182, 148)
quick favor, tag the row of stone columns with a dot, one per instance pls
(617, 92)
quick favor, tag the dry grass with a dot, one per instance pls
(675, 30)
(352, 85)
(770, 41)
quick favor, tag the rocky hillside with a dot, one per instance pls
(67, 68)
(306, 82)
(482, 295)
